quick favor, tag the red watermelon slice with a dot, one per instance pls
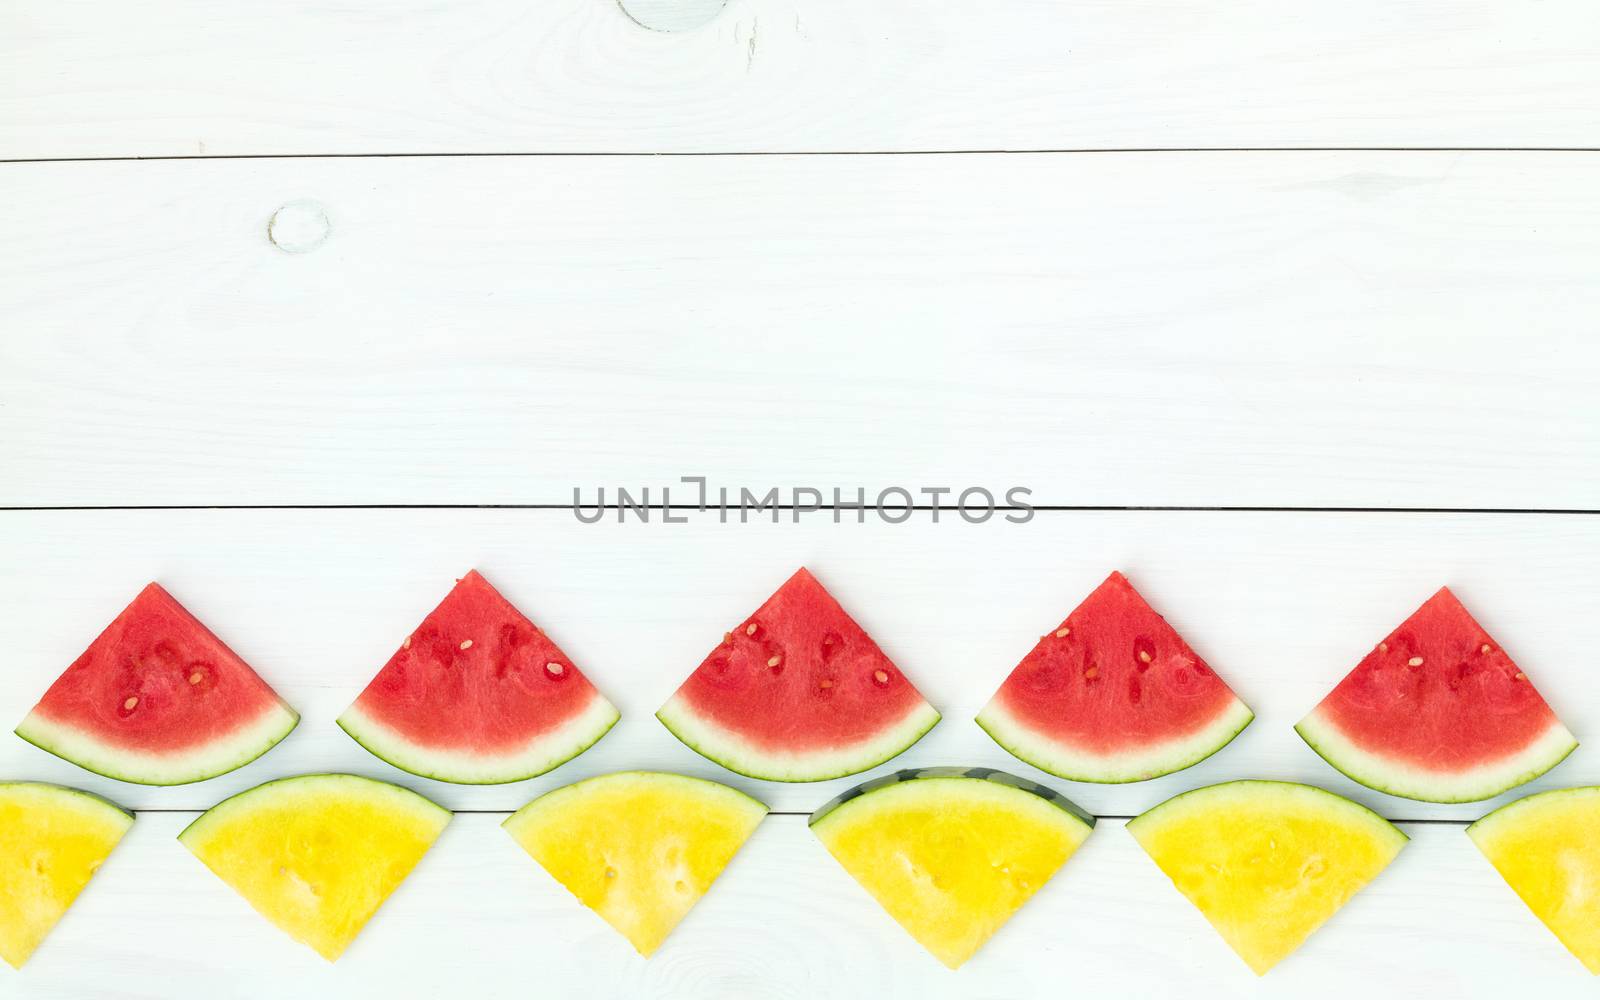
(478, 695)
(1113, 694)
(157, 699)
(798, 692)
(1438, 712)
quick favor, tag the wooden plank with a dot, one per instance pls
(92, 78)
(1328, 329)
(1281, 604)
(784, 921)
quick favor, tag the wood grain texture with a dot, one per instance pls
(89, 78)
(784, 921)
(1282, 605)
(1327, 329)
(1220, 329)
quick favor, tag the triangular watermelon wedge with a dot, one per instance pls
(1113, 694)
(319, 853)
(639, 848)
(1266, 862)
(1545, 847)
(951, 853)
(478, 695)
(1438, 712)
(798, 692)
(158, 699)
(52, 841)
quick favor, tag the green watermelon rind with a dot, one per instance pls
(218, 757)
(989, 774)
(1396, 778)
(1123, 767)
(299, 782)
(576, 735)
(721, 746)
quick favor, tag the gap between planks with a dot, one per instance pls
(1057, 151)
(755, 514)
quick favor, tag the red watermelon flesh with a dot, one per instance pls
(1113, 694)
(159, 700)
(1438, 711)
(798, 692)
(478, 694)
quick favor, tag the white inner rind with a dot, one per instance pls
(1397, 777)
(1540, 806)
(545, 751)
(743, 756)
(1285, 797)
(1138, 763)
(177, 767)
(333, 790)
(694, 793)
(40, 795)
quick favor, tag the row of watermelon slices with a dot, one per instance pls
(798, 691)
(1266, 862)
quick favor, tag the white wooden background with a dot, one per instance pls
(1331, 263)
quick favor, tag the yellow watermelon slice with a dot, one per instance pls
(1547, 848)
(52, 839)
(951, 853)
(318, 854)
(639, 848)
(1267, 862)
